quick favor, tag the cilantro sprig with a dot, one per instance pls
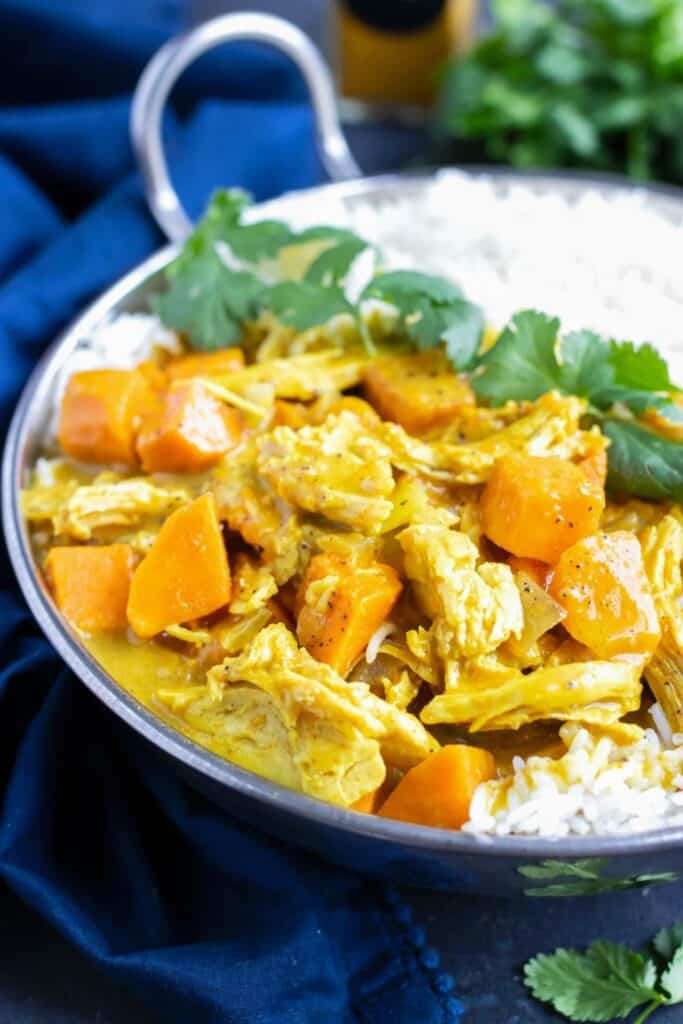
(584, 877)
(209, 299)
(609, 981)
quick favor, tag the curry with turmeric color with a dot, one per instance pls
(230, 563)
(343, 568)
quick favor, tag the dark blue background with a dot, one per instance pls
(165, 918)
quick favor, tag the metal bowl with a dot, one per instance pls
(397, 851)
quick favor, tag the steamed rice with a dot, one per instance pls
(597, 787)
(607, 261)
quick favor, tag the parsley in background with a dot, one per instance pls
(582, 83)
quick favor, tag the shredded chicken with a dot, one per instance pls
(474, 608)
(92, 507)
(335, 470)
(595, 692)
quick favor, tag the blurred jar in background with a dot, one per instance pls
(388, 51)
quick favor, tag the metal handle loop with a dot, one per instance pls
(168, 64)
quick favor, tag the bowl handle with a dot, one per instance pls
(171, 60)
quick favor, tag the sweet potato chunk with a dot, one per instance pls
(186, 573)
(342, 606)
(91, 584)
(601, 584)
(369, 803)
(189, 433)
(101, 413)
(417, 391)
(439, 790)
(206, 364)
(537, 507)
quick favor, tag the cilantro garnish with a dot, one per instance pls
(531, 358)
(432, 311)
(209, 302)
(303, 304)
(609, 981)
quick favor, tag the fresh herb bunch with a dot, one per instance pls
(217, 284)
(584, 83)
(609, 981)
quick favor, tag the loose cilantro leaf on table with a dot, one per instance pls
(432, 311)
(608, 981)
(583, 877)
(667, 940)
(605, 982)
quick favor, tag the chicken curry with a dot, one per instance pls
(340, 563)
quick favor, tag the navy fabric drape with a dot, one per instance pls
(204, 919)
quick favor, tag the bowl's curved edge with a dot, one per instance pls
(400, 835)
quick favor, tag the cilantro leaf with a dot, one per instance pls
(402, 287)
(302, 304)
(584, 365)
(564, 868)
(222, 215)
(259, 241)
(522, 363)
(333, 264)
(672, 978)
(432, 310)
(324, 233)
(209, 302)
(462, 337)
(667, 940)
(642, 463)
(606, 981)
(639, 367)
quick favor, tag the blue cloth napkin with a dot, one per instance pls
(207, 920)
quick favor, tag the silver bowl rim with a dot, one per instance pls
(416, 838)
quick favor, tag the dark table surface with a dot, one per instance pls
(482, 941)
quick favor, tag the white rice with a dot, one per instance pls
(597, 788)
(377, 639)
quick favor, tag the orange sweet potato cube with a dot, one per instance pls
(190, 432)
(536, 507)
(101, 413)
(185, 575)
(418, 391)
(91, 584)
(338, 628)
(206, 364)
(438, 791)
(601, 584)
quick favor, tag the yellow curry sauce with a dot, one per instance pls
(343, 573)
